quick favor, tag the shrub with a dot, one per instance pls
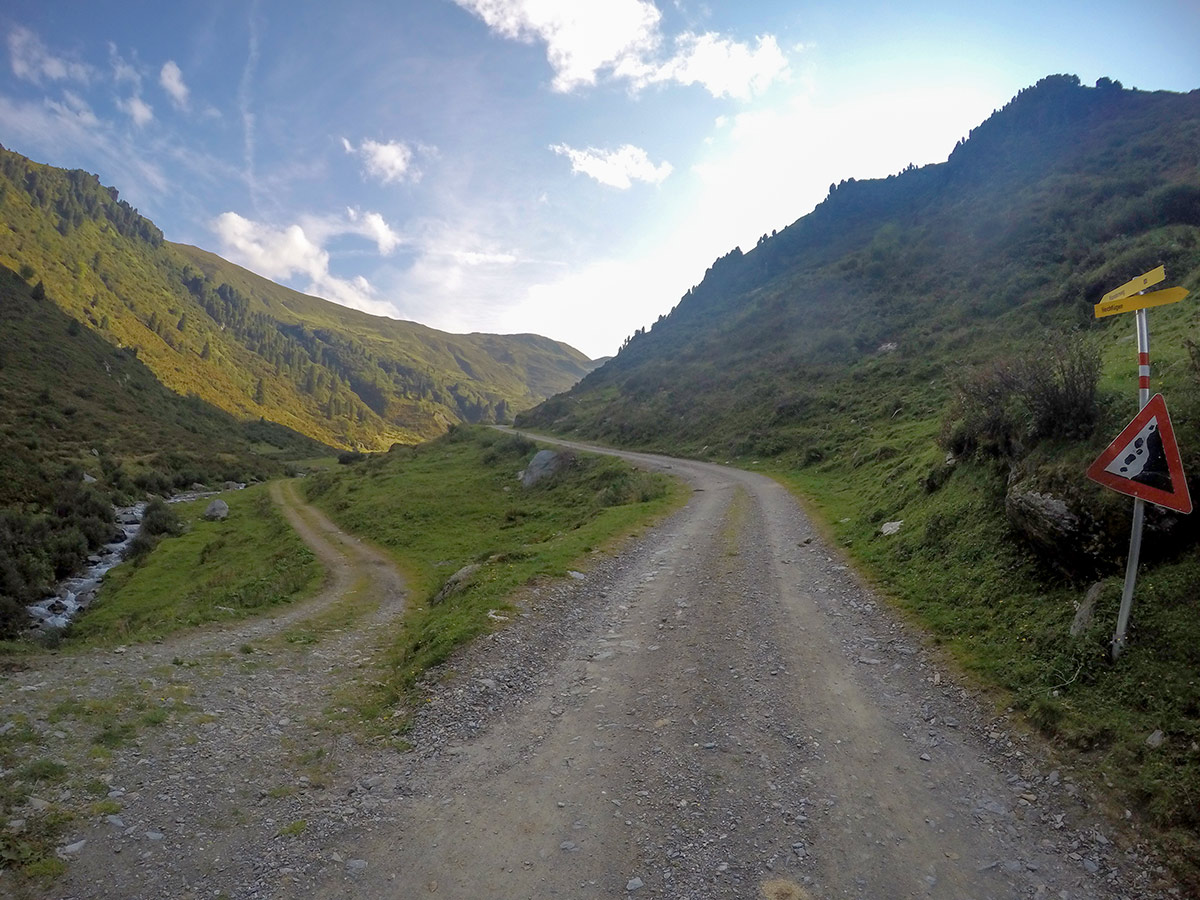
(160, 518)
(1058, 389)
(983, 417)
(139, 548)
(1009, 404)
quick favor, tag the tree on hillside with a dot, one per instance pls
(259, 396)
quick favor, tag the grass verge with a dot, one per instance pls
(215, 571)
(957, 569)
(442, 506)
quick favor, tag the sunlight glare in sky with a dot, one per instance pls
(568, 169)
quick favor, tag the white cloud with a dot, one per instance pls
(284, 253)
(389, 162)
(617, 168)
(582, 37)
(33, 62)
(137, 109)
(171, 79)
(723, 67)
(373, 226)
(585, 38)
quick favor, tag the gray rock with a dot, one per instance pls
(455, 583)
(544, 464)
(1086, 614)
(635, 884)
(217, 511)
(232, 486)
(891, 527)
(1156, 739)
(1043, 518)
(356, 865)
(88, 479)
(73, 849)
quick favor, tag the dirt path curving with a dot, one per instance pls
(180, 809)
(722, 710)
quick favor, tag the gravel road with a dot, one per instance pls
(720, 710)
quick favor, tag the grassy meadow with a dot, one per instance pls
(213, 572)
(441, 506)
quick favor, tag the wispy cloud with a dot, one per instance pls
(616, 168)
(137, 109)
(74, 108)
(623, 38)
(245, 86)
(33, 62)
(171, 79)
(72, 124)
(126, 73)
(389, 161)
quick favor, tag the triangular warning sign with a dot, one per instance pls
(1144, 460)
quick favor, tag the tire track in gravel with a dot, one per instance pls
(247, 752)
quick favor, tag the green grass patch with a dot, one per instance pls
(216, 571)
(293, 829)
(457, 501)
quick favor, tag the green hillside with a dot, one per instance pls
(922, 349)
(251, 347)
(76, 408)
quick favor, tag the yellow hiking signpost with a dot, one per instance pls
(1136, 285)
(1140, 301)
(1129, 297)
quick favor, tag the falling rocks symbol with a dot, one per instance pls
(1144, 462)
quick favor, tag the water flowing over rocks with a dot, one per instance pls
(77, 592)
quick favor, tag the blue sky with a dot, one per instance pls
(564, 167)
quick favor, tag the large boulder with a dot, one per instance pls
(1055, 515)
(217, 511)
(455, 583)
(544, 464)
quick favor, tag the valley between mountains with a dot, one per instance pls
(721, 708)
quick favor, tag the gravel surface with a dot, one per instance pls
(721, 710)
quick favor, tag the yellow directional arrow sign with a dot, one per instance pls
(1151, 278)
(1140, 301)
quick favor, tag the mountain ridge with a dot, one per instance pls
(919, 358)
(253, 347)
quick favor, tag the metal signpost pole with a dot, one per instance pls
(1139, 505)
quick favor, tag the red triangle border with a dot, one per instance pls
(1179, 500)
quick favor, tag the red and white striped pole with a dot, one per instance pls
(1139, 505)
(1143, 338)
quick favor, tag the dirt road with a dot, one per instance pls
(721, 710)
(724, 711)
